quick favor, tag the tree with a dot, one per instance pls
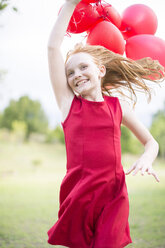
(55, 135)
(158, 130)
(129, 143)
(28, 111)
(4, 4)
(125, 139)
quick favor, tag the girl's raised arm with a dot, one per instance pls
(55, 60)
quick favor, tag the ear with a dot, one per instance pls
(102, 69)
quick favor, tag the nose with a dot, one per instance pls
(77, 74)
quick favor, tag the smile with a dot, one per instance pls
(82, 82)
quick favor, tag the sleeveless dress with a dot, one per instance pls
(94, 204)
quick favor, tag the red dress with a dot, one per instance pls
(94, 204)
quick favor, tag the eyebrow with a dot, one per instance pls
(82, 63)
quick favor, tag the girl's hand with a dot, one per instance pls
(74, 2)
(144, 165)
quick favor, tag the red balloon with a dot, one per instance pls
(138, 19)
(91, 1)
(108, 35)
(146, 45)
(108, 12)
(84, 17)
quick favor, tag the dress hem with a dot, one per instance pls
(73, 246)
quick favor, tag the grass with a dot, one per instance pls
(30, 177)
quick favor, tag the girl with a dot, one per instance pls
(94, 205)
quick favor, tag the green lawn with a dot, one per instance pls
(30, 177)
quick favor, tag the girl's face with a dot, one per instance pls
(83, 75)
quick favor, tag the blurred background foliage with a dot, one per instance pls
(24, 119)
(5, 3)
(25, 114)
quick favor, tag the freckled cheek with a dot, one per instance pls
(70, 83)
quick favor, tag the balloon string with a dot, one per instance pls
(98, 2)
(82, 14)
(73, 20)
(127, 29)
(84, 36)
(105, 13)
(68, 34)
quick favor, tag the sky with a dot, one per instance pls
(23, 54)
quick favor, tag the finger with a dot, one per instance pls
(143, 170)
(151, 171)
(131, 169)
(136, 170)
(156, 176)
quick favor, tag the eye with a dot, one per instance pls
(70, 73)
(84, 66)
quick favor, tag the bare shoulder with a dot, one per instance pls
(125, 105)
(126, 109)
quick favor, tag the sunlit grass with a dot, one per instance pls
(30, 177)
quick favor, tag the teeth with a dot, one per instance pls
(84, 81)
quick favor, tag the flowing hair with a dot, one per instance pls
(122, 72)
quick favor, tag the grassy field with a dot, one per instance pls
(30, 177)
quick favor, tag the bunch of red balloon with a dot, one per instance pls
(132, 32)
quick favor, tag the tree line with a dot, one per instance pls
(27, 117)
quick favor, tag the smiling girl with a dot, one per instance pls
(94, 204)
